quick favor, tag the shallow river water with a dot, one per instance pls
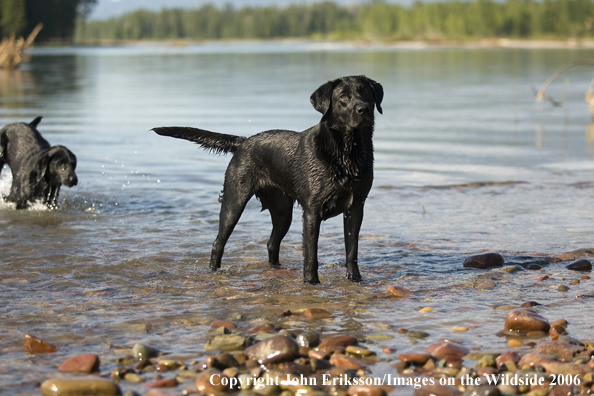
(465, 163)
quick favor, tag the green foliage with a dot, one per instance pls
(19, 17)
(377, 19)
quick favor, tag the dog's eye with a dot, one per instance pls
(343, 96)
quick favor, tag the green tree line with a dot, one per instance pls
(450, 20)
(19, 17)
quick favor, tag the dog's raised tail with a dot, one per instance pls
(218, 143)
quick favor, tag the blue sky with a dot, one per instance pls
(109, 8)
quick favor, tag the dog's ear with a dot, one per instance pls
(36, 122)
(321, 99)
(378, 93)
(43, 162)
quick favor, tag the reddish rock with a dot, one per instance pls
(222, 323)
(541, 278)
(316, 354)
(437, 389)
(415, 358)
(263, 328)
(363, 390)
(165, 383)
(37, 345)
(563, 351)
(276, 349)
(443, 349)
(316, 313)
(507, 356)
(486, 260)
(338, 340)
(533, 359)
(343, 361)
(561, 390)
(87, 363)
(397, 291)
(561, 368)
(524, 320)
(529, 304)
(204, 386)
(486, 371)
(580, 265)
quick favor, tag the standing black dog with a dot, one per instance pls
(38, 170)
(327, 168)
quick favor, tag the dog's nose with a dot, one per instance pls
(362, 109)
(73, 180)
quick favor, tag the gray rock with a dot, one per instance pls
(277, 349)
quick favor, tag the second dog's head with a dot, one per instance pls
(349, 101)
(57, 165)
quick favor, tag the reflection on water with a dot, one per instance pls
(459, 170)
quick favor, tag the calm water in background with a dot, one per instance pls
(465, 162)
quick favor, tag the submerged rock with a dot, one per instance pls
(142, 351)
(339, 340)
(87, 363)
(309, 338)
(88, 386)
(226, 342)
(277, 349)
(525, 320)
(37, 345)
(444, 348)
(486, 260)
(316, 313)
(580, 265)
(563, 351)
(397, 291)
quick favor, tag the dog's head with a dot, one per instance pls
(349, 100)
(57, 165)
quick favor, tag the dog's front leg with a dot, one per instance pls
(311, 233)
(353, 218)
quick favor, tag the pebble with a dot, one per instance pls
(442, 349)
(88, 386)
(514, 343)
(277, 349)
(37, 345)
(426, 309)
(338, 340)
(562, 288)
(586, 277)
(343, 361)
(506, 307)
(86, 363)
(566, 368)
(486, 260)
(510, 269)
(460, 329)
(580, 265)
(437, 389)
(541, 278)
(223, 323)
(203, 383)
(133, 377)
(380, 337)
(164, 383)
(263, 328)
(529, 304)
(316, 313)
(485, 390)
(397, 291)
(563, 351)
(309, 338)
(226, 342)
(508, 356)
(355, 350)
(364, 390)
(534, 267)
(417, 334)
(142, 351)
(525, 320)
(415, 358)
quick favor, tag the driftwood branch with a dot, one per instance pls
(541, 94)
(11, 49)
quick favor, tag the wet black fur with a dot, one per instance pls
(38, 169)
(327, 168)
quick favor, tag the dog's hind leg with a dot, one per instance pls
(311, 233)
(280, 206)
(352, 225)
(235, 197)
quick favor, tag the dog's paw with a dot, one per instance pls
(312, 281)
(354, 277)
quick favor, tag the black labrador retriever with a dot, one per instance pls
(38, 169)
(327, 168)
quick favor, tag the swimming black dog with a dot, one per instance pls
(327, 168)
(38, 170)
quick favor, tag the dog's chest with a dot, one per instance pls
(339, 201)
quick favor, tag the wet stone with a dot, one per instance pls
(566, 368)
(164, 383)
(142, 351)
(263, 328)
(486, 260)
(316, 313)
(223, 323)
(508, 356)
(37, 345)
(398, 292)
(534, 267)
(442, 349)
(205, 386)
(580, 265)
(562, 350)
(86, 363)
(355, 350)
(364, 390)
(338, 340)
(562, 288)
(226, 342)
(277, 349)
(346, 362)
(437, 389)
(309, 338)
(488, 390)
(88, 386)
(486, 361)
(417, 334)
(524, 320)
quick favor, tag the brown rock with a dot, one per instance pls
(507, 356)
(87, 363)
(164, 383)
(276, 349)
(398, 291)
(316, 313)
(88, 386)
(437, 389)
(525, 320)
(204, 386)
(561, 368)
(485, 371)
(363, 390)
(529, 304)
(486, 260)
(561, 390)
(37, 345)
(443, 349)
(222, 323)
(533, 359)
(316, 354)
(541, 278)
(263, 328)
(580, 265)
(338, 340)
(415, 358)
(563, 351)
(343, 361)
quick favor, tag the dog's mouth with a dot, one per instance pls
(71, 181)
